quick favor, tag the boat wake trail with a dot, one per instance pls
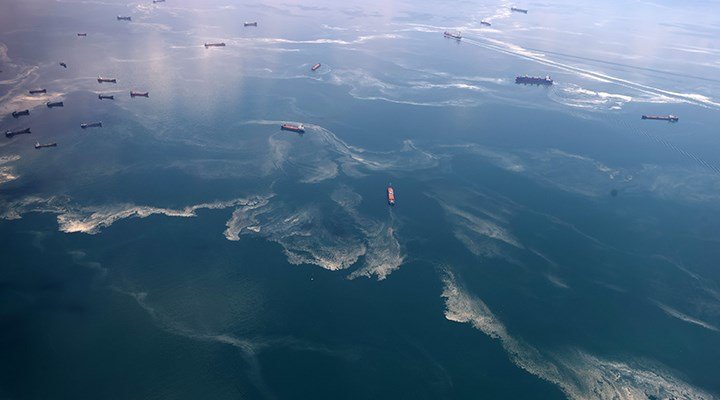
(518, 51)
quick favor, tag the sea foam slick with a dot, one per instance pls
(299, 128)
(669, 118)
(18, 132)
(534, 80)
(86, 125)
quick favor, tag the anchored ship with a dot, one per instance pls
(82, 34)
(38, 91)
(120, 18)
(107, 80)
(20, 132)
(139, 94)
(390, 194)
(520, 10)
(485, 23)
(315, 67)
(670, 118)
(52, 104)
(40, 146)
(251, 24)
(158, 1)
(62, 64)
(91, 125)
(293, 127)
(451, 35)
(18, 114)
(106, 96)
(220, 44)
(534, 80)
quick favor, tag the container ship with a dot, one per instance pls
(106, 80)
(51, 104)
(18, 114)
(40, 146)
(220, 44)
(38, 91)
(520, 10)
(91, 125)
(451, 35)
(315, 67)
(20, 132)
(534, 80)
(251, 24)
(390, 194)
(120, 18)
(139, 94)
(485, 23)
(106, 97)
(670, 118)
(299, 128)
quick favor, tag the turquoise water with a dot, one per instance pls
(546, 242)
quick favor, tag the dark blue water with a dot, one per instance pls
(546, 242)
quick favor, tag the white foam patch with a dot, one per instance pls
(686, 318)
(7, 172)
(578, 374)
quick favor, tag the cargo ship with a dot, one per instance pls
(91, 125)
(18, 114)
(520, 10)
(52, 104)
(120, 18)
(220, 44)
(82, 34)
(158, 1)
(390, 194)
(251, 24)
(40, 146)
(299, 128)
(139, 94)
(451, 35)
(534, 80)
(106, 80)
(485, 23)
(670, 118)
(315, 67)
(62, 64)
(20, 132)
(106, 97)
(38, 91)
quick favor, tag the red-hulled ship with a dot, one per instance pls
(390, 194)
(315, 67)
(299, 128)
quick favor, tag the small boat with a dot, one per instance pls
(251, 24)
(139, 94)
(38, 91)
(390, 194)
(520, 10)
(220, 44)
(10, 134)
(82, 34)
(299, 128)
(62, 64)
(451, 35)
(106, 80)
(485, 23)
(121, 18)
(18, 114)
(51, 104)
(40, 146)
(106, 97)
(91, 125)
(315, 67)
